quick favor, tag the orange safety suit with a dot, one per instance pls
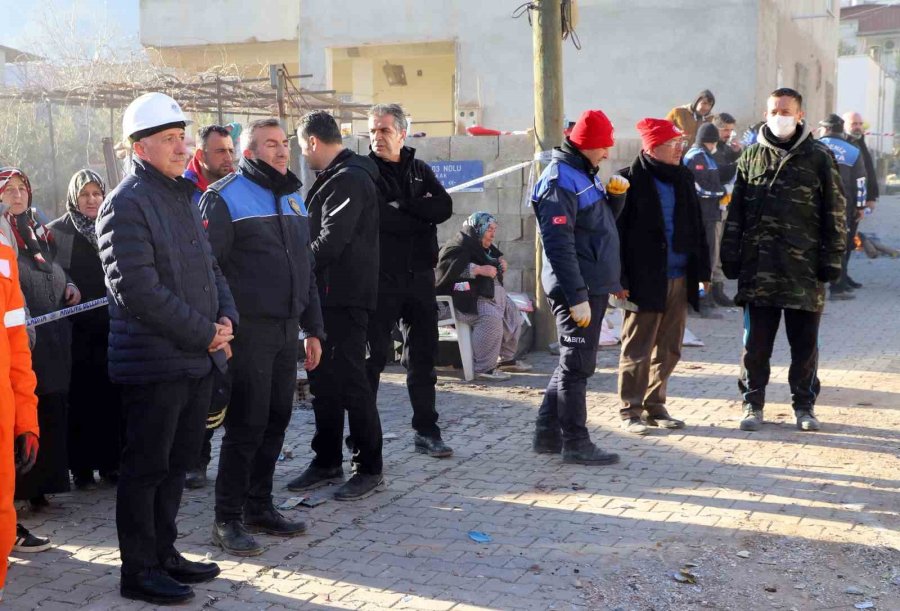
(18, 403)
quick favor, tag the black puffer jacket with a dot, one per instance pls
(413, 203)
(343, 223)
(165, 288)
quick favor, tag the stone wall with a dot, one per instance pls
(504, 197)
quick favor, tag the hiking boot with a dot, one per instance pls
(584, 452)
(806, 420)
(195, 478)
(840, 295)
(183, 570)
(635, 426)
(314, 477)
(28, 543)
(665, 421)
(514, 366)
(547, 441)
(719, 297)
(268, 520)
(493, 376)
(753, 418)
(360, 486)
(708, 309)
(84, 480)
(232, 537)
(432, 445)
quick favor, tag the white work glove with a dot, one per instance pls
(617, 185)
(581, 314)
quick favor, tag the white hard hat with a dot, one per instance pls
(149, 111)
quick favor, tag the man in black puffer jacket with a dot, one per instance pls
(343, 216)
(259, 231)
(171, 318)
(412, 204)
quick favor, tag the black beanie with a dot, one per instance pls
(707, 134)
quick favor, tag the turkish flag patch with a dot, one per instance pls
(559, 220)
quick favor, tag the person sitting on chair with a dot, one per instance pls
(470, 269)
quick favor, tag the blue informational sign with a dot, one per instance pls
(452, 173)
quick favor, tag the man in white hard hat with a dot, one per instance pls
(172, 317)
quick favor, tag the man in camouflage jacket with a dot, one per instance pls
(784, 238)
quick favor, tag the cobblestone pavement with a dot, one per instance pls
(816, 513)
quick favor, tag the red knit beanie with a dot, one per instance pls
(592, 131)
(656, 131)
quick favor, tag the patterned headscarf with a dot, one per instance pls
(32, 238)
(478, 223)
(84, 225)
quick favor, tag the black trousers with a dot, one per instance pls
(760, 327)
(565, 400)
(164, 424)
(263, 377)
(339, 383)
(206, 450)
(409, 299)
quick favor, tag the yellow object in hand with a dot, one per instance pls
(725, 200)
(617, 185)
(581, 314)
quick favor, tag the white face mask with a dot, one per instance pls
(781, 126)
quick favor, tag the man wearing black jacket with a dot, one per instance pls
(171, 319)
(258, 228)
(343, 214)
(412, 204)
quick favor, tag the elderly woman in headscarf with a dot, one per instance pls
(470, 269)
(95, 417)
(46, 288)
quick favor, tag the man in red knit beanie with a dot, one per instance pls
(661, 273)
(576, 216)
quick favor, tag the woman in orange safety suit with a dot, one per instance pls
(18, 403)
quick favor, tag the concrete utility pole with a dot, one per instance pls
(548, 118)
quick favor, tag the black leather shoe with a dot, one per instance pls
(360, 486)
(154, 586)
(268, 520)
(196, 478)
(853, 284)
(232, 537)
(183, 570)
(584, 452)
(314, 477)
(432, 445)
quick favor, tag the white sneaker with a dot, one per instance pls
(514, 366)
(493, 376)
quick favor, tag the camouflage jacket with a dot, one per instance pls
(786, 224)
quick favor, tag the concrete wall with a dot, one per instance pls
(638, 58)
(864, 87)
(170, 23)
(505, 197)
(797, 43)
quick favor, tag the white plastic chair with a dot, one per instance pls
(461, 334)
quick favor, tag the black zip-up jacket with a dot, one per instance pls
(260, 237)
(343, 217)
(165, 288)
(413, 203)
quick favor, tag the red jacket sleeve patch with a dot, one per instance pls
(559, 220)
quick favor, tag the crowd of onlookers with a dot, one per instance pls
(210, 258)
